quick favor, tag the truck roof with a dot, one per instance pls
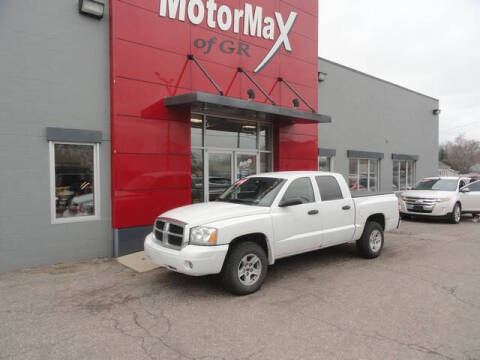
(446, 177)
(291, 174)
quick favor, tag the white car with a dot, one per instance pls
(266, 217)
(442, 197)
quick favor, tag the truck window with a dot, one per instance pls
(300, 189)
(329, 188)
(474, 186)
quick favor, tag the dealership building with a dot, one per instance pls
(112, 113)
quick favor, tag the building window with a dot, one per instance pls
(363, 174)
(403, 174)
(74, 182)
(325, 163)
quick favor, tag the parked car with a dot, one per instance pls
(441, 197)
(266, 217)
(82, 205)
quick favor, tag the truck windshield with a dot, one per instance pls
(437, 184)
(259, 191)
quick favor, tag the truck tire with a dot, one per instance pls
(370, 245)
(245, 268)
(456, 215)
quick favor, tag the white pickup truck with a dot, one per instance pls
(266, 217)
(442, 197)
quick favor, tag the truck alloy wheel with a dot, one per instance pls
(375, 240)
(370, 245)
(249, 269)
(245, 268)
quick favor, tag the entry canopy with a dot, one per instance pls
(238, 107)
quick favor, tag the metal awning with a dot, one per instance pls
(259, 110)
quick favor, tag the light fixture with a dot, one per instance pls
(251, 94)
(436, 111)
(322, 76)
(196, 121)
(296, 103)
(93, 8)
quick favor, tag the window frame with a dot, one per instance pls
(96, 184)
(369, 161)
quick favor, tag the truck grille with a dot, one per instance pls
(169, 233)
(420, 205)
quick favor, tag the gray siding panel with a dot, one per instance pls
(54, 74)
(375, 115)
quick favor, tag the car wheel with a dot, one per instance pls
(245, 268)
(456, 214)
(370, 245)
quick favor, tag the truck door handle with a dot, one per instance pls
(313, 212)
(346, 207)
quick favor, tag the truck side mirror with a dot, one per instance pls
(290, 202)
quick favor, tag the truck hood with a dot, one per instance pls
(428, 194)
(205, 213)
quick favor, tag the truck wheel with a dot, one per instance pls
(456, 215)
(370, 244)
(245, 268)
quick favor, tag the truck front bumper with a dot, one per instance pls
(191, 259)
(437, 210)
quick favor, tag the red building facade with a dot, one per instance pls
(152, 46)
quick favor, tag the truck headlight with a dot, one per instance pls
(202, 235)
(442, 199)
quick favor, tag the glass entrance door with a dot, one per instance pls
(245, 165)
(219, 173)
(225, 150)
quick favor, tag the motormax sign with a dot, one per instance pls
(227, 19)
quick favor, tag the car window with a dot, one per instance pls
(300, 189)
(462, 184)
(329, 188)
(474, 186)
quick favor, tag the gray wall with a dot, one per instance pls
(54, 71)
(370, 114)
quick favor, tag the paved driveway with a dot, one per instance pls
(419, 300)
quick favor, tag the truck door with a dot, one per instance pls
(471, 200)
(337, 212)
(297, 228)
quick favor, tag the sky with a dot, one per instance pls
(430, 46)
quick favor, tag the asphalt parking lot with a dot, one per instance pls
(419, 300)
